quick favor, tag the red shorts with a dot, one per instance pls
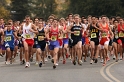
(30, 42)
(87, 41)
(103, 40)
(120, 42)
(60, 42)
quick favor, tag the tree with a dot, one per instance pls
(42, 8)
(4, 12)
(97, 7)
(19, 9)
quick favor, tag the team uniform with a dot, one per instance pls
(9, 39)
(78, 35)
(27, 35)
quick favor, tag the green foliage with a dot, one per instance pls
(97, 7)
(4, 12)
(20, 8)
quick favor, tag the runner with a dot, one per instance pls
(104, 39)
(121, 37)
(115, 40)
(41, 43)
(94, 41)
(9, 36)
(52, 36)
(28, 34)
(76, 36)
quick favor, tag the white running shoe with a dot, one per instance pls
(45, 59)
(57, 64)
(27, 65)
(101, 61)
(36, 63)
(8, 63)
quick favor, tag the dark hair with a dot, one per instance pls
(103, 16)
(115, 20)
(70, 14)
(27, 16)
(8, 23)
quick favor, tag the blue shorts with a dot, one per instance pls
(54, 44)
(65, 41)
(83, 40)
(7, 45)
(41, 45)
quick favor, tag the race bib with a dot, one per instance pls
(64, 36)
(53, 38)
(116, 36)
(8, 38)
(104, 34)
(40, 38)
(93, 35)
(77, 33)
(121, 34)
(27, 36)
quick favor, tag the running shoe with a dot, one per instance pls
(27, 65)
(96, 60)
(80, 62)
(54, 66)
(36, 63)
(91, 61)
(40, 64)
(116, 60)
(45, 59)
(74, 62)
(64, 61)
(8, 63)
(23, 61)
(101, 61)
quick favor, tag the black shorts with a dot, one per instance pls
(96, 41)
(110, 42)
(41, 45)
(70, 43)
(115, 40)
(76, 40)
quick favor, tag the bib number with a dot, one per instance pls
(93, 35)
(116, 36)
(104, 35)
(8, 38)
(53, 38)
(40, 38)
(64, 35)
(27, 36)
(77, 33)
(121, 34)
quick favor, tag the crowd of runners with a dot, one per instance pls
(73, 37)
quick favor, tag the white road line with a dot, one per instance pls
(109, 74)
(103, 74)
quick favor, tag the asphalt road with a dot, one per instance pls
(63, 73)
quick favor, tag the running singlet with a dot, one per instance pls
(26, 32)
(121, 33)
(77, 30)
(94, 32)
(9, 37)
(105, 34)
(41, 35)
(65, 35)
(54, 34)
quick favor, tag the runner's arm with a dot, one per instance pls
(34, 30)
